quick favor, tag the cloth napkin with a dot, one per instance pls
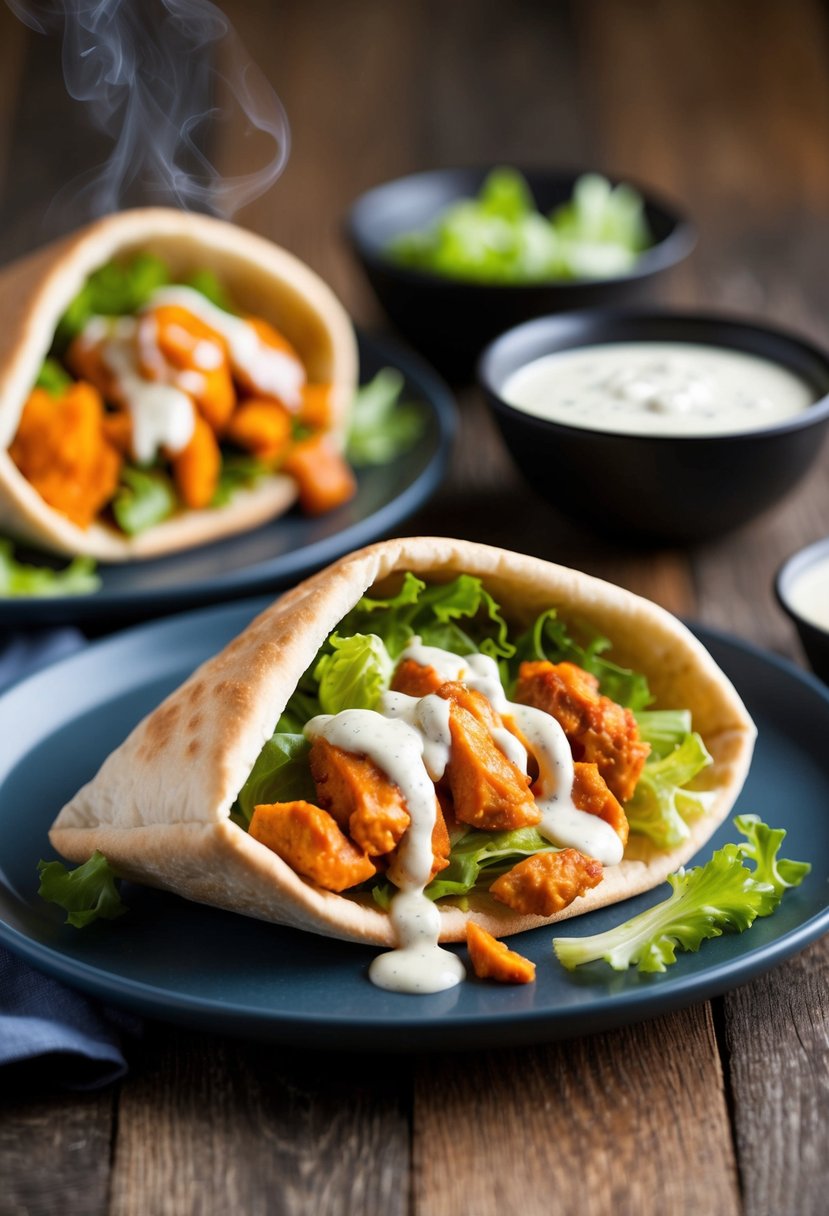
(48, 1033)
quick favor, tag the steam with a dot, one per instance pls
(158, 77)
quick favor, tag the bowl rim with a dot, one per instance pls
(816, 412)
(662, 255)
(795, 564)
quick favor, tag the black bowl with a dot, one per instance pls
(451, 320)
(813, 638)
(647, 488)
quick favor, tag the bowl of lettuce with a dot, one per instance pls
(457, 256)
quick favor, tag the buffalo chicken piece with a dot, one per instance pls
(545, 883)
(61, 448)
(492, 960)
(599, 731)
(415, 680)
(360, 797)
(591, 794)
(309, 840)
(488, 791)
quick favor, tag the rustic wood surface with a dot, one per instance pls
(721, 1108)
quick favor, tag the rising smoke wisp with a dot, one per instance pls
(149, 73)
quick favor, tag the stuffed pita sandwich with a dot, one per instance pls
(429, 726)
(167, 379)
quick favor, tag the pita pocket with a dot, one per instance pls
(166, 384)
(163, 807)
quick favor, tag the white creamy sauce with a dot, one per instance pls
(275, 373)
(658, 388)
(409, 739)
(418, 964)
(162, 415)
(562, 823)
(809, 594)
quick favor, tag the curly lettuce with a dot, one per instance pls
(501, 237)
(21, 579)
(724, 894)
(86, 893)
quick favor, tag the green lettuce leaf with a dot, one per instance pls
(144, 498)
(209, 285)
(238, 471)
(86, 893)
(280, 774)
(19, 579)
(53, 377)
(354, 673)
(434, 614)
(501, 237)
(724, 894)
(663, 729)
(762, 846)
(549, 638)
(602, 229)
(660, 807)
(380, 426)
(114, 290)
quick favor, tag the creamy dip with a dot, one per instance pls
(409, 739)
(658, 388)
(809, 594)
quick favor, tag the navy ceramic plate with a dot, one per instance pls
(181, 962)
(279, 552)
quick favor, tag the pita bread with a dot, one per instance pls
(159, 806)
(261, 278)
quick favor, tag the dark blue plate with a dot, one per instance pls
(285, 549)
(181, 962)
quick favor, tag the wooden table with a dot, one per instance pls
(721, 1108)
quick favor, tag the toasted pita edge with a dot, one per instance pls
(158, 807)
(262, 277)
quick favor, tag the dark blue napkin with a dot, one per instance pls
(46, 1028)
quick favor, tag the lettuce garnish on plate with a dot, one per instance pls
(86, 893)
(724, 894)
(381, 426)
(22, 579)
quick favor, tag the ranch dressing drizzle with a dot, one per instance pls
(477, 671)
(562, 823)
(162, 416)
(275, 373)
(418, 964)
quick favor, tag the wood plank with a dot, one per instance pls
(215, 1125)
(54, 1148)
(777, 1031)
(578, 1128)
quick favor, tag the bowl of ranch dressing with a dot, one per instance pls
(802, 587)
(658, 427)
